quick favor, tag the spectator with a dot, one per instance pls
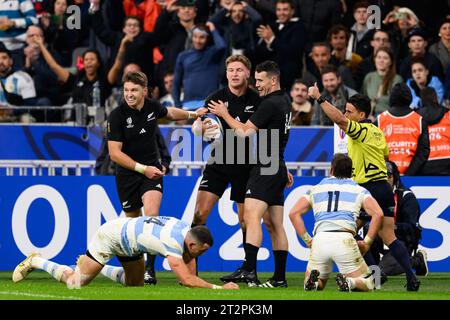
(175, 33)
(400, 22)
(338, 37)
(417, 43)
(380, 39)
(80, 85)
(361, 36)
(301, 105)
(421, 78)
(167, 100)
(283, 42)
(16, 87)
(447, 88)
(441, 49)
(46, 83)
(321, 56)
(146, 10)
(378, 84)
(238, 27)
(318, 16)
(407, 228)
(16, 16)
(334, 92)
(197, 69)
(139, 50)
(438, 120)
(58, 36)
(406, 132)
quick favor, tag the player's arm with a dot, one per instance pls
(189, 279)
(331, 111)
(118, 156)
(180, 114)
(373, 209)
(242, 129)
(301, 207)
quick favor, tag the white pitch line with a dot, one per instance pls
(49, 296)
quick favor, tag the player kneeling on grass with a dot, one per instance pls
(336, 202)
(129, 239)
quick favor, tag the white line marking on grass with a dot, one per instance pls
(38, 295)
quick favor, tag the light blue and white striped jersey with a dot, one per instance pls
(23, 14)
(336, 204)
(156, 235)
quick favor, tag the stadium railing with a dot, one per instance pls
(87, 167)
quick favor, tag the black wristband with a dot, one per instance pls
(320, 100)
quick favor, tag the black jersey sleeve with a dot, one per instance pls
(263, 115)
(161, 111)
(115, 126)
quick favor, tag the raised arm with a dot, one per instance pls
(60, 72)
(331, 111)
(118, 62)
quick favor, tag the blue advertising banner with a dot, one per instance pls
(57, 216)
(38, 142)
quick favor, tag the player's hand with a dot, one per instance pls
(210, 26)
(363, 247)
(201, 111)
(153, 173)
(265, 32)
(218, 108)
(290, 180)
(231, 286)
(314, 92)
(207, 126)
(126, 39)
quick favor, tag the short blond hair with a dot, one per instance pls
(137, 77)
(239, 58)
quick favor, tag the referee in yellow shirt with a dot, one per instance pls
(368, 150)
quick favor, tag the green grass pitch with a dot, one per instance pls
(40, 286)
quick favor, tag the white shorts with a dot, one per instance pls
(106, 242)
(338, 247)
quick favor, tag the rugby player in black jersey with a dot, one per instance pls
(132, 145)
(267, 180)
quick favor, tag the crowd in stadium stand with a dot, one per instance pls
(55, 52)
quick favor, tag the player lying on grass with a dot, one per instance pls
(336, 202)
(129, 239)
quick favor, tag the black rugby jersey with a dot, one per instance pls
(136, 130)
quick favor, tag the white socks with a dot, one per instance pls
(114, 273)
(54, 269)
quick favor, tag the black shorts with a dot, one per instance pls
(120, 258)
(131, 187)
(267, 188)
(382, 192)
(217, 177)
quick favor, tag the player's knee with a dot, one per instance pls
(200, 216)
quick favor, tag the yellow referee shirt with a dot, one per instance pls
(368, 150)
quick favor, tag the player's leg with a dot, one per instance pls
(274, 221)
(382, 192)
(254, 210)
(354, 274)
(320, 263)
(203, 206)
(398, 251)
(35, 261)
(134, 270)
(240, 209)
(151, 200)
(86, 270)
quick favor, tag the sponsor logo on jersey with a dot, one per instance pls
(158, 186)
(130, 123)
(125, 205)
(238, 119)
(248, 192)
(203, 183)
(142, 131)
